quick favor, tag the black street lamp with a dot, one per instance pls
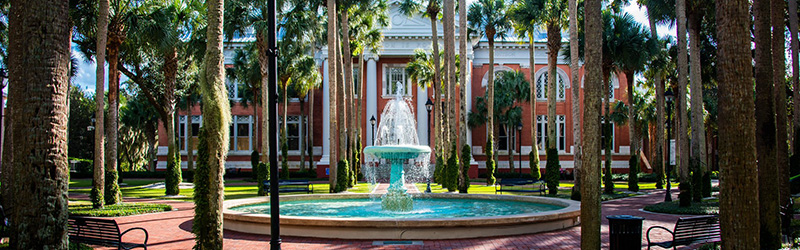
(668, 97)
(519, 147)
(429, 108)
(372, 121)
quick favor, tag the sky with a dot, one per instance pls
(85, 77)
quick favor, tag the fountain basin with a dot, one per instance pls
(397, 151)
(408, 228)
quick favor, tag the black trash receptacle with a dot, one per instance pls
(625, 232)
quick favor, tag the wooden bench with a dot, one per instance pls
(690, 230)
(519, 185)
(291, 186)
(104, 232)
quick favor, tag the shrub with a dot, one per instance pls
(533, 159)
(706, 184)
(451, 180)
(438, 176)
(173, 176)
(355, 164)
(284, 159)
(697, 180)
(112, 195)
(121, 209)
(83, 166)
(262, 175)
(633, 173)
(490, 164)
(466, 155)
(341, 176)
(254, 160)
(685, 195)
(697, 208)
(608, 182)
(552, 171)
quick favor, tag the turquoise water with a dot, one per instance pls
(424, 208)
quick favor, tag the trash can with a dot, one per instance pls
(625, 232)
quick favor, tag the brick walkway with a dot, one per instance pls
(172, 230)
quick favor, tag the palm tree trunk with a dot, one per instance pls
(98, 180)
(607, 130)
(310, 136)
(765, 128)
(534, 143)
(795, 45)
(633, 135)
(739, 211)
(658, 162)
(150, 133)
(340, 85)
(332, 69)
(462, 51)
(302, 121)
(553, 45)
(263, 59)
(170, 79)
(576, 90)
(490, 32)
(347, 57)
(590, 175)
(216, 117)
(680, 97)
(189, 144)
(450, 55)
(698, 157)
(112, 195)
(781, 119)
(438, 134)
(39, 37)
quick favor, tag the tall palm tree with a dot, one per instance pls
(525, 18)
(216, 117)
(488, 17)
(795, 45)
(450, 76)
(574, 67)
(462, 53)
(333, 104)
(765, 127)
(781, 133)
(697, 158)
(590, 176)
(38, 64)
(739, 212)
(680, 113)
(554, 17)
(98, 180)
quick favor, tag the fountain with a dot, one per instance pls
(397, 143)
(398, 158)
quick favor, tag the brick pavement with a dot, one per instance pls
(172, 230)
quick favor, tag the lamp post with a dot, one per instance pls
(668, 97)
(429, 108)
(372, 121)
(3, 76)
(519, 147)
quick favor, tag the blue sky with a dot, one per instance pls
(86, 69)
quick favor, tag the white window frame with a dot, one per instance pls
(182, 128)
(387, 84)
(234, 133)
(541, 81)
(541, 132)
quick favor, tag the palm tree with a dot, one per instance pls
(680, 97)
(781, 134)
(333, 104)
(488, 17)
(432, 8)
(697, 158)
(574, 66)
(590, 176)
(39, 35)
(554, 17)
(98, 180)
(765, 127)
(795, 45)
(737, 138)
(462, 53)
(216, 117)
(450, 76)
(525, 17)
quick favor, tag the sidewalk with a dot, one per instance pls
(172, 230)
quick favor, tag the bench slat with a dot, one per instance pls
(691, 230)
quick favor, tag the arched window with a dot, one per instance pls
(541, 85)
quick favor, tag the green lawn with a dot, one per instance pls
(564, 191)
(705, 207)
(84, 208)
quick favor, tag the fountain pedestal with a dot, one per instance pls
(397, 197)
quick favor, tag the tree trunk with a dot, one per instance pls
(490, 32)
(462, 54)
(342, 115)
(680, 98)
(590, 174)
(575, 84)
(553, 45)
(698, 157)
(263, 61)
(332, 69)
(633, 134)
(112, 195)
(310, 137)
(347, 60)
(438, 136)
(768, 191)
(781, 120)
(795, 45)
(189, 146)
(450, 55)
(739, 211)
(216, 120)
(608, 184)
(39, 59)
(150, 132)
(534, 129)
(302, 152)
(98, 180)
(658, 161)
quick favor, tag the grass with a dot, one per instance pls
(706, 207)
(564, 191)
(84, 208)
(72, 246)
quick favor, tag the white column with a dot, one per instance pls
(326, 117)
(372, 95)
(422, 116)
(469, 95)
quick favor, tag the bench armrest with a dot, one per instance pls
(657, 227)
(146, 236)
